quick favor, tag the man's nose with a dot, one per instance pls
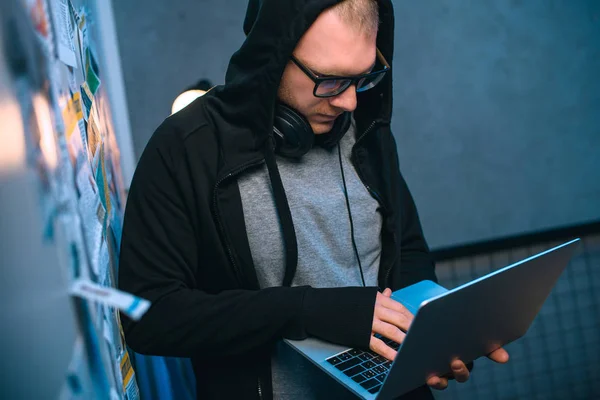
(346, 100)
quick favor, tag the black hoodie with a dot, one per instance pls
(184, 243)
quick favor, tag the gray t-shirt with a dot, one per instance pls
(326, 258)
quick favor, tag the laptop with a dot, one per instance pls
(468, 322)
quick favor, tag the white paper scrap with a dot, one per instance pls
(131, 305)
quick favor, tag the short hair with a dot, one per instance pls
(362, 14)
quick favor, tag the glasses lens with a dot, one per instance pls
(332, 87)
(369, 82)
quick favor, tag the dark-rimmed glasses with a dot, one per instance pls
(329, 86)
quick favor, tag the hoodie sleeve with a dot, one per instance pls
(416, 263)
(161, 260)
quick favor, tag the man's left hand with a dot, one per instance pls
(460, 372)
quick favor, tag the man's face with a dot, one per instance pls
(329, 47)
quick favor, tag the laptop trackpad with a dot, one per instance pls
(317, 350)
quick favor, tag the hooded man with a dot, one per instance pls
(273, 207)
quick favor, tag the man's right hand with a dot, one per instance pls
(391, 320)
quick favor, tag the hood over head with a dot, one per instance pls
(247, 101)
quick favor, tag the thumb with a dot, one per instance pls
(387, 292)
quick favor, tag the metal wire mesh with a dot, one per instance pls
(559, 357)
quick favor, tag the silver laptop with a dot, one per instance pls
(468, 322)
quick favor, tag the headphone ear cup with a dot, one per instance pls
(293, 135)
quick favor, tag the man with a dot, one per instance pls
(242, 231)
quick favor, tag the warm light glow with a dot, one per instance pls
(47, 139)
(12, 138)
(186, 98)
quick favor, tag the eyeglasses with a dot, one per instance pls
(329, 86)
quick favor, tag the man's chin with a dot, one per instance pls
(320, 128)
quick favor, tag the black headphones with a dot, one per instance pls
(294, 136)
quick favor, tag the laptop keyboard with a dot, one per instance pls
(366, 368)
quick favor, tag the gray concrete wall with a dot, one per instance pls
(497, 114)
(497, 103)
(166, 46)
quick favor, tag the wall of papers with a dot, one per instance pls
(62, 201)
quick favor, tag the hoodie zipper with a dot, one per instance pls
(232, 174)
(369, 189)
(260, 394)
(235, 172)
(373, 192)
